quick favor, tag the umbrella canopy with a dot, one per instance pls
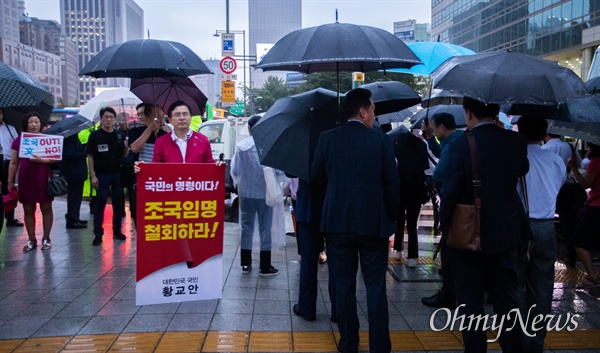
(338, 47)
(164, 91)
(121, 99)
(287, 135)
(145, 58)
(455, 110)
(392, 96)
(20, 89)
(509, 78)
(432, 55)
(440, 96)
(410, 151)
(14, 115)
(22, 94)
(586, 131)
(576, 110)
(69, 126)
(397, 117)
(593, 84)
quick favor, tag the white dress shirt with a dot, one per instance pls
(547, 173)
(7, 135)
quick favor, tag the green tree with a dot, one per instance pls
(263, 98)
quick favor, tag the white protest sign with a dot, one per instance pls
(41, 145)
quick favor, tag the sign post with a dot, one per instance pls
(228, 44)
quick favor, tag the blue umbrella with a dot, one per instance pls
(432, 55)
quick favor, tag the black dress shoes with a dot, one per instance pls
(14, 223)
(76, 225)
(296, 309)
(438, 300)
(83, 221)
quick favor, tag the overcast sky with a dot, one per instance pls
(193, 22)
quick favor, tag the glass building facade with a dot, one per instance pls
(553, 29)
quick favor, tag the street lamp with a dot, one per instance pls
(243, 57)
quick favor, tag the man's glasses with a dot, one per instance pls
(184, 114)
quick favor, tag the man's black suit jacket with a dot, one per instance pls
(362, 186)
(502, 159)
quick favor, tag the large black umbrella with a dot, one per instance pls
(164, 91)
(338, 47)
(22, 94)
(143, 58)
(392, 96)
(455, 110)
(287, 135)
(509, 78)
(411, 152)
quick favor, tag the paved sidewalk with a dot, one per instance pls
(76, 297)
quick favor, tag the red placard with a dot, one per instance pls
(180, 214)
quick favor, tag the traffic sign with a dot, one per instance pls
(227, 91)
(228, 77)
(237, 109)
(228, 65)
(228, 44)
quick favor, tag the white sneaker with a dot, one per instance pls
(398, 254)
(410, 263)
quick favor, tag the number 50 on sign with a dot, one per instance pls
(228, 65)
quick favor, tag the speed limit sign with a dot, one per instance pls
(228, 65)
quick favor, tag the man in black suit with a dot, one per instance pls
(502, 160)
(361, 201)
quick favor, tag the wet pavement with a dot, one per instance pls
(79, 298)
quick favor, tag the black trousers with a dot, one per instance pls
(474, 272)
(74, 199)
(10, 215)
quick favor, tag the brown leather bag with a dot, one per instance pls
(465, 229)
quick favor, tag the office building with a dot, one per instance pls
(46, 35)
(210, 85)
(564, 31)
(94, 25)
(38, 63)
(269, 21)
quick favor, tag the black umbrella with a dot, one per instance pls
(411, 152)
(586, 131)
(164, 91)
(442, 97)
(22, 94)
(593, 84)
(70, 126)
(287, 135)
(397, 117)
(507, 77)
(456, 110)
(392, 96)
(145, 58)
(338, 47)
(577, 110)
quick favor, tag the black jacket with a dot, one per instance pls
(73, 165)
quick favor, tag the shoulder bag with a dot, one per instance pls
(57, 186)
(464, 232)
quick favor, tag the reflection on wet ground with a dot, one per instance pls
(76, 297)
